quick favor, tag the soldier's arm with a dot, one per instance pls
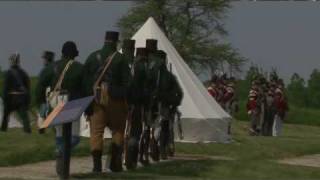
(177, 90)
(39, 91)
(28, 86)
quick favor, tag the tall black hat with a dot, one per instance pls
(128, 44)
(112, 36)
(69, 49)
(152, 44)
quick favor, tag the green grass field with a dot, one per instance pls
(254, 157)
(296, 115)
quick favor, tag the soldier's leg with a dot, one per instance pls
(270, 127)
(155, 145)
(134, 139)
(5, 119)
(277, 126)
(171, 138)
(164, 138)
(24, 116)
(144, 145)
(117, 150)
(75, 138)
(117, 114)
(97, 126)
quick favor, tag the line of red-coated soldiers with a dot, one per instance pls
(222, 89)
(267, 106)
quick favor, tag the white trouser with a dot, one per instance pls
(75, 124)
(277, 126)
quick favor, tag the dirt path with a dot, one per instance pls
(43, 170)
(309, 161)
(46, 170)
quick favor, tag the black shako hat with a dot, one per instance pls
(162, 54)
(152, 44)
(112, 36)
(143, 52)
(48, 55)
(69, 49)
(128, 44)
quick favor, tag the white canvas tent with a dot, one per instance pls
(203, 120)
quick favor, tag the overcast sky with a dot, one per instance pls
(284, 35)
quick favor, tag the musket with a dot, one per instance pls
(179, 123)
(157, 124)
(127, 132)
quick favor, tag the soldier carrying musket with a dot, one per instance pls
(169, 96)
(110, 108)
(137, 99)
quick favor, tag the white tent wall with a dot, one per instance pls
(203, 118)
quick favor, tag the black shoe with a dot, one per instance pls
(59, 163)
(116, 158)
(97, 161)
(132, 154)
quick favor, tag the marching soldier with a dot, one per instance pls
(67, 77)
(229, 98)
(45, 80)
(137, 98)
(169, 96)
(213, 90)
(154, 63)
(16, 94)
(269, 111)
(128, 48)
(253, 109)
(110, 107)
(281, 105)
(151, 48)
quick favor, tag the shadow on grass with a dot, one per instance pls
(173, 169)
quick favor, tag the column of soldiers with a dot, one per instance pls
(222, 89)
(136, 97)
(267, 106)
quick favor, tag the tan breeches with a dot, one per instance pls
(112, 116)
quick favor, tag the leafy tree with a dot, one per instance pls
(193, 26)
(314, 89)
(297, 91)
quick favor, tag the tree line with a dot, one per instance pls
(300, 92)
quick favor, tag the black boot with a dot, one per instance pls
(131, 155)
(41, 131)
(155, 150)
(97, 161)
(59, 162)
(116, 158)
